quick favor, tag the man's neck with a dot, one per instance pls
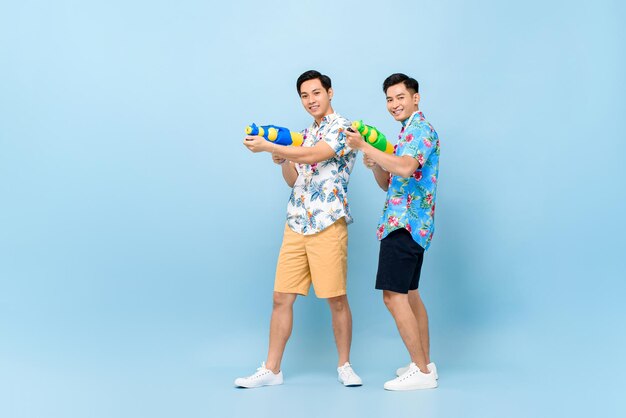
(412, 113)
(330, 112)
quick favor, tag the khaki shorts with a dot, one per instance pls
(321, 259)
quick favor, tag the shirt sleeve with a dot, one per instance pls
(336, 139)
(420, 143)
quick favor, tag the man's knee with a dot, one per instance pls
(338, 303)
(283, 300)
(393, 300)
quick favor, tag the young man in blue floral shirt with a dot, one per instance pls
(405, 231)
(315, 241)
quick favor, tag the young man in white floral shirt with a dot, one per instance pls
(315, 240)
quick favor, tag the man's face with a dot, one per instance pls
(401, 103)
(315, 98)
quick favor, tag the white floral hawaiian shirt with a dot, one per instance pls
(320, 194)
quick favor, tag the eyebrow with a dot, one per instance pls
(397, 95)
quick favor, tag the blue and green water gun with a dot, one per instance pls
(276, 134)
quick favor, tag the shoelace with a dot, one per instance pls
(347, 372)
(410, 372)
(261, 371)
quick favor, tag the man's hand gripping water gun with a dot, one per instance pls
(372, 136)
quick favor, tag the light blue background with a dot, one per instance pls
(138, 238)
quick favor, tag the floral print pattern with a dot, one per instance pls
(410, 201)
(320, 194)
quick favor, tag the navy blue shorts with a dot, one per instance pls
(399, 262)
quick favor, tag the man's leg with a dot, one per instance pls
(292, 278)
(342, 326)
(280, 329)
(419, 311)
(400, 308)
(327, 253)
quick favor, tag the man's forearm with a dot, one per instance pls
(303, 155)
(289, 173)
(381, 176)
(398, 166)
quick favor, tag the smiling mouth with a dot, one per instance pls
(313, 108)
(397, 112)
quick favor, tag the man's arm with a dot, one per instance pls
(403, 166)
(380, 174)
(289, 170)
(303, 155)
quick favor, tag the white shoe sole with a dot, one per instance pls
(253, 385)
(412, 387)
(350, 385)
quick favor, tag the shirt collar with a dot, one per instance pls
(417, 113)
(326, 119)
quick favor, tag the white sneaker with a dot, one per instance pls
(262, 377)
(412, 379)
(431, 368)
(347, 376)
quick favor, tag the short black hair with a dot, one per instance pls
(397, 78)
(312, 75)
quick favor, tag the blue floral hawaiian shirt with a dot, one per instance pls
(320, 193)
(410, 201)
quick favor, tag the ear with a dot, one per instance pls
(416, 98)
(330, 93)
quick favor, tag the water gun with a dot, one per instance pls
(276, 134)
(373, 136)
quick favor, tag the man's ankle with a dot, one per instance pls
(274, 368)
(423, 367)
